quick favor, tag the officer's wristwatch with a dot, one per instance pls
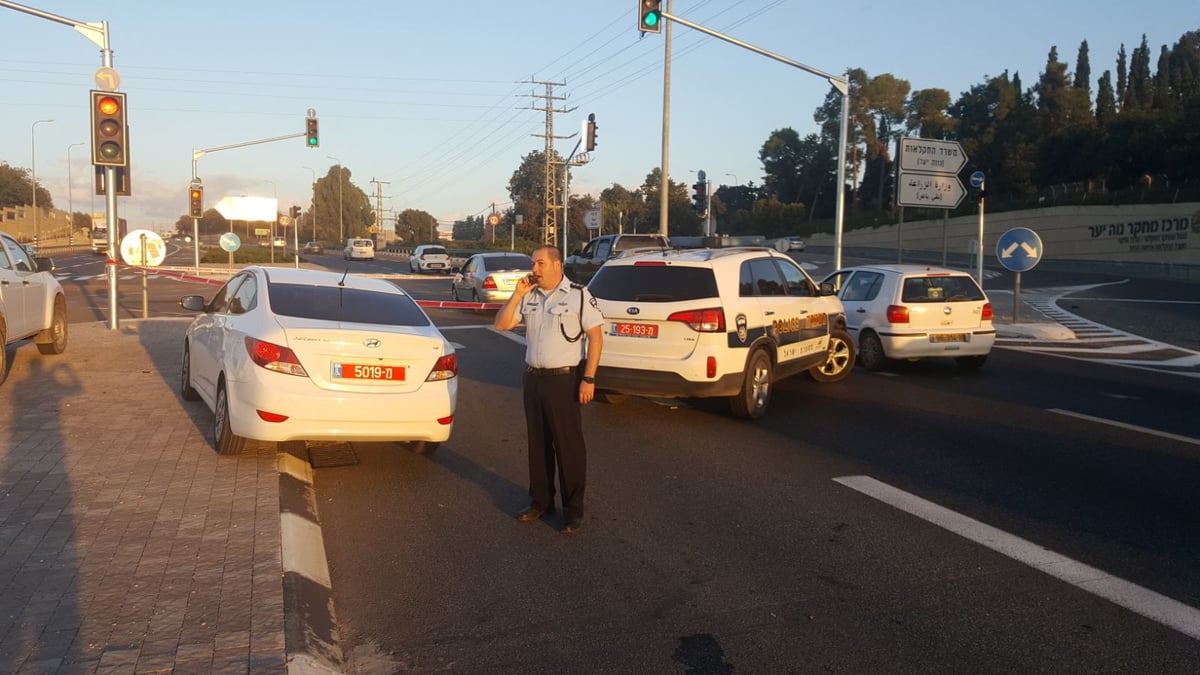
(589, 380)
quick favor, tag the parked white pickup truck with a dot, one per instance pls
(582, 264)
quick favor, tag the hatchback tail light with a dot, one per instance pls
(987, 311)
(897, 314)
(490, 282)
(274, 357)
(445, 368)
(702, 320)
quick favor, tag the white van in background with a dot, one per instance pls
(359, 249)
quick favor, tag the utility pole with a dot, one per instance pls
(379, 208)
(550, 205)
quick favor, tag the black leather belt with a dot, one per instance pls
(565, 370)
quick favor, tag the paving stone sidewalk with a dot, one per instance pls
(127, 545)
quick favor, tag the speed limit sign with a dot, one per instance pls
(285, 220)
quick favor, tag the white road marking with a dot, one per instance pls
(1143, 601)
(1132, 427)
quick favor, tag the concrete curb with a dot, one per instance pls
(310, 629)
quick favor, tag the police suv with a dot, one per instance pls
(706, 323)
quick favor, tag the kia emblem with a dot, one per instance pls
(633, 311)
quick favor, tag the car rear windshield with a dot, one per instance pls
(653, 283)
(434, 250)
(362, 242)
(509, 262)
(941, 289)
(352, 305)
(626, 241)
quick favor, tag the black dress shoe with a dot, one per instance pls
(533, 513)
(571, 526)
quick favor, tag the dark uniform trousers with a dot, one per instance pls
(555, 431)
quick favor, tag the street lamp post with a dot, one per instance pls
(33, 173)
(314, 200)
(70, 197)
(341, 179)
(735, 180)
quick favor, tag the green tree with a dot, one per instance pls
(1140, 93)
(926, 114)
(681, 217)
(1106, 101)
(1083, 69)
(15, 189)
(1122, 77)
(333, 191)
(621, 209)
(527, 190)
(414, 226)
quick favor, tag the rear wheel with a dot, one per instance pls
(424, 447)
(228, 443)
(475, 295)
(840, 360)
(971, 362)
(751, 402)
(870, 351)
(185, 377)
(454, 291)
(53, 340)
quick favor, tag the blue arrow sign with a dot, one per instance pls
(230, 242)
(977, 179)
(1019, 249)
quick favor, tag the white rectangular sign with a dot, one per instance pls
(591, 219)
(929, 190)
(931, 155)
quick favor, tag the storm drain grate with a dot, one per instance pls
(326, 455)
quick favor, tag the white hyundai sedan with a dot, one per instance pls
(282, 354)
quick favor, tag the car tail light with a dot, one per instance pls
(449, 419)
(647, 263)
(445, 368)
(701, 320)
(987, 311)
(489, 282)
(274, 357)
(710, 367)
(270, 416)
(897, 314)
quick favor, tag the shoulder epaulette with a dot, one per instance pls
(576, 286)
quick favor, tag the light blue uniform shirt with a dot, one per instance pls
(548, 315)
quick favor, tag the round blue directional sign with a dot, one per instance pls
(977, 179)
(1019, 249)
(230, 242)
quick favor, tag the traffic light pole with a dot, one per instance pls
(839, 82)
(197, 154)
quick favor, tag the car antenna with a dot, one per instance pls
(342, 281)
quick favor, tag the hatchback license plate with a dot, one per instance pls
(356, 371)
(639, 330)
(949, 337)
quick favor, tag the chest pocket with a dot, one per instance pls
(567, 315)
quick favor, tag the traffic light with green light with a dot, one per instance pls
(312, 133)
(650, 16)
(110, 131)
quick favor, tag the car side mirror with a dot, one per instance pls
(826, 288)
(194, 303)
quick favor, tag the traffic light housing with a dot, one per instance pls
(196, 202)
(650, 16)
(591, 132)
(110, 130)
(312, 132)
(295, 213)
(700, 196)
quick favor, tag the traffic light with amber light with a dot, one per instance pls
(311, 132)
(650, 16)
(196, 202)
(700, 197)
(110, 130)
(591, 132)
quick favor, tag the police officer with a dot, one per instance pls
(557, 314)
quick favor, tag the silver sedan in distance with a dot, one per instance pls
(489, 277)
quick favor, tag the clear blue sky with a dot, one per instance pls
(429, 96)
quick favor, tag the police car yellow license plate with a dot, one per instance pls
(639, 330)
(355, 371)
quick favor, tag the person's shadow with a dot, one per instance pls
(39, 609)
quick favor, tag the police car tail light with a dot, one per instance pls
(987, 311)
(702, 320)
(897, 314)
(445, 368)
(490, 282)
(274, 357)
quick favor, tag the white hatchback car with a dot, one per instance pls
(702, 323)
(32, 303)
(914, 312)
(282, 354)
(429, 258)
